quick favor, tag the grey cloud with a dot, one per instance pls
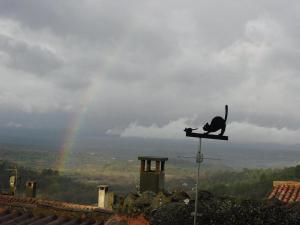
(153, 62)
(90, 20)
(30, 58)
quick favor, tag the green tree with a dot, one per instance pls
(297, 171)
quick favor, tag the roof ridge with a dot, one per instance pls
(31, 202)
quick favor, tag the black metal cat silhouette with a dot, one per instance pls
(217, 123)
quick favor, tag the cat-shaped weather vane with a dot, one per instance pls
(216, 124)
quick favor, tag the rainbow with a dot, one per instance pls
(78, 118)
(74, 126)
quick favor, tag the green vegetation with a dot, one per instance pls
(248, 183)
(228, 211)
(85, 171)
(82, 188)
(254, 183)
(50, 184)
(230, 196)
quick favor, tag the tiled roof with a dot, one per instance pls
(46, 212)
(121, 220)
(14, 217)
(43, 203)
(286, 191)
(35, 211)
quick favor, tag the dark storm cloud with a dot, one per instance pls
(151, 66)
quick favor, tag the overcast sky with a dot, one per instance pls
(151, 68)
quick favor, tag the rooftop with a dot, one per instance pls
(13, 217)
(286, 191)
(42, 211)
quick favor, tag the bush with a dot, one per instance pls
(228, 211)
(174, 213)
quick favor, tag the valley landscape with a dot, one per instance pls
(240, 171)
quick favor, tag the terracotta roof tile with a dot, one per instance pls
(8, 217)
(274, 192)
(120, 220)
(286, 191)
(58, 221)
(36, 202)
(29, 220)
(297, 199)
(34, 211)
(18, 219)
(27, 211)
(85, 223)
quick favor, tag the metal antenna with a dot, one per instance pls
(199, 160)
(193, 157)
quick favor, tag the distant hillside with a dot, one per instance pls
(122, 177)
(231, 154)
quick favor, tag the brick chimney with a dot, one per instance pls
(152, 179)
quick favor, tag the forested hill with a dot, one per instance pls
(50, 184)
(246, 184)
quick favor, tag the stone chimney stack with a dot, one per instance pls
(102, 196)
(12, 185)
(152, 179)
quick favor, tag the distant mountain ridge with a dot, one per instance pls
(237, 155)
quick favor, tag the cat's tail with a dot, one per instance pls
(226, 112)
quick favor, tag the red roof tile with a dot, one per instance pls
(43, 203)
(34, 211)
(8, 217)
(286, 191)
(116, 220)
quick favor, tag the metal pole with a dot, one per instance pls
(199, 159)
(16, 171)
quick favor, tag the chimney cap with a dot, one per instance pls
(103, 186)
(153, 158)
